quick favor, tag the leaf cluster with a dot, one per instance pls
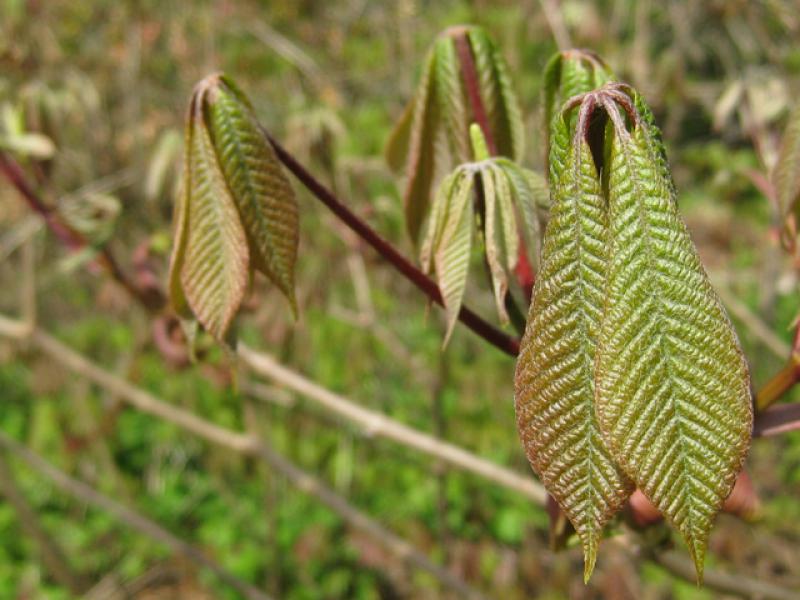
(630, 373)
(236, 212)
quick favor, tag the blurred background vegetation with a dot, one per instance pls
(92, 98)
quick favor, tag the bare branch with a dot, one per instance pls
(728, 583)
(239, 442)
(52, 555)
(81, 491)
(379, 425)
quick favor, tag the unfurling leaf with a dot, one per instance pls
(672, 386)
(432, 135)
(235, 211)
(554, 383)
(568, 74)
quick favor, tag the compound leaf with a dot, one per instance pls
(673, 394)
(554, 382)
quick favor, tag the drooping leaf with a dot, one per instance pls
(177, 298)
(554, 382)
(786, 176)
(672, 386)
(450, 97)
(436, 221)
(214, 267)
(531, 195)
(452, 258)
(422, 155)
(497, 94)
(397, 146)
(260, 189)
(493, 243)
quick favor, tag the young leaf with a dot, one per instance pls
(452, 250)
(497, 94)
(396, 151)
(786, 176)
(450, 96)
(260, 189)
(214, 270)
(422, 155)
(177, 298)
(494, 249)
(554, 382)
(673, 394)
(568, 74)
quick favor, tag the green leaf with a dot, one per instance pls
(497, 94)
(554, 383)
(452, 244)
(34, 145)
(568, 74)
(494, 249)
(673, 392)
(531, 195)
(422, 155)
(215, 257)
(786, 176)
(260, 189)
(177, 298)
(436, 221)
(450, 96)
(397, 146)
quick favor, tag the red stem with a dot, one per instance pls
(150, 298)
(488, 332)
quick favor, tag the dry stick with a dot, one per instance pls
(552, 14)
(242, 443)
(88, 494)
(379, 425)
(153, 300)
(51, 553)
(487, 331)
(753, 322)
(728, 583)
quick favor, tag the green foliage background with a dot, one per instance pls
(109, 82)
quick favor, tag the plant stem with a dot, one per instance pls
(783, 380)
(152, 299)
(487, 331)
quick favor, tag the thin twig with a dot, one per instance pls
(727, 583)
(552, 14)
(242, 443)
(53, 557)
(82, 491)
(487, 331)
(379, 425)
(151, 299)
(753, 322)
(777, 420)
